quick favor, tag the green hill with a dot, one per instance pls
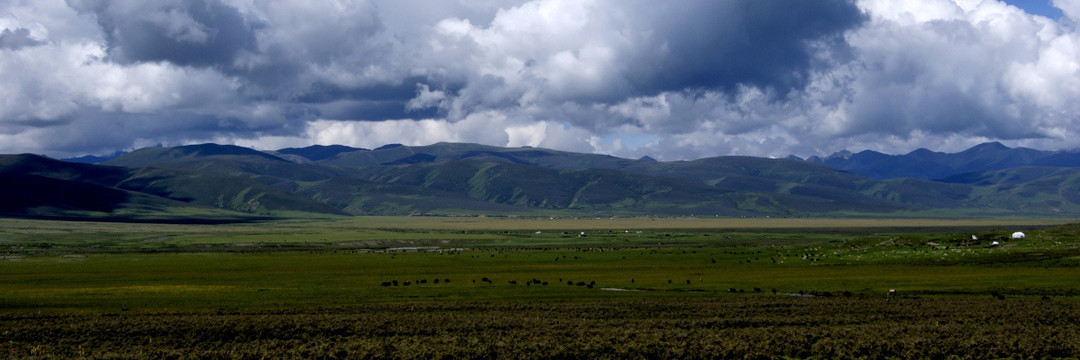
(152, 156)
(455, 178)
(39, 186)
(1026, 189)
(222, 159)
(317, 152)
(446, 152)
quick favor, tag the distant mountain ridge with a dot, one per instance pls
(928, 165)
(919, 164)
(92, 159)
(318, 152)
(463, 178)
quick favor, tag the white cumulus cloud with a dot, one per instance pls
(672, 80)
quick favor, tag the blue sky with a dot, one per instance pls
(671, 80)
(1038, 7)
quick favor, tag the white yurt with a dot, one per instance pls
(1018, 235)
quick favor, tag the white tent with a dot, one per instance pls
(1018, 235)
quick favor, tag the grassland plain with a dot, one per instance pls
(468, 287)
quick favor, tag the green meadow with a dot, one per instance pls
(72, 266)
(292, 270)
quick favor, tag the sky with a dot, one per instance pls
(672, 80)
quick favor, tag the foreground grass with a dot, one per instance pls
(746, 327)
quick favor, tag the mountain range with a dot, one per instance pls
(211, 181)
(926, 164)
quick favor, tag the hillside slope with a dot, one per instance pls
(455, 178)
(39, 186)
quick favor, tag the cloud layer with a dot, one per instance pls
(629, 78)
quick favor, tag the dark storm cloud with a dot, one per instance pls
(940, 111)
(370, 110)
(186, 33)
(16, 39)
(579, 55)
(96, 131)
(277, 53)
(321, 92)
(723, 44)
(375, 102)
(173, 127)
